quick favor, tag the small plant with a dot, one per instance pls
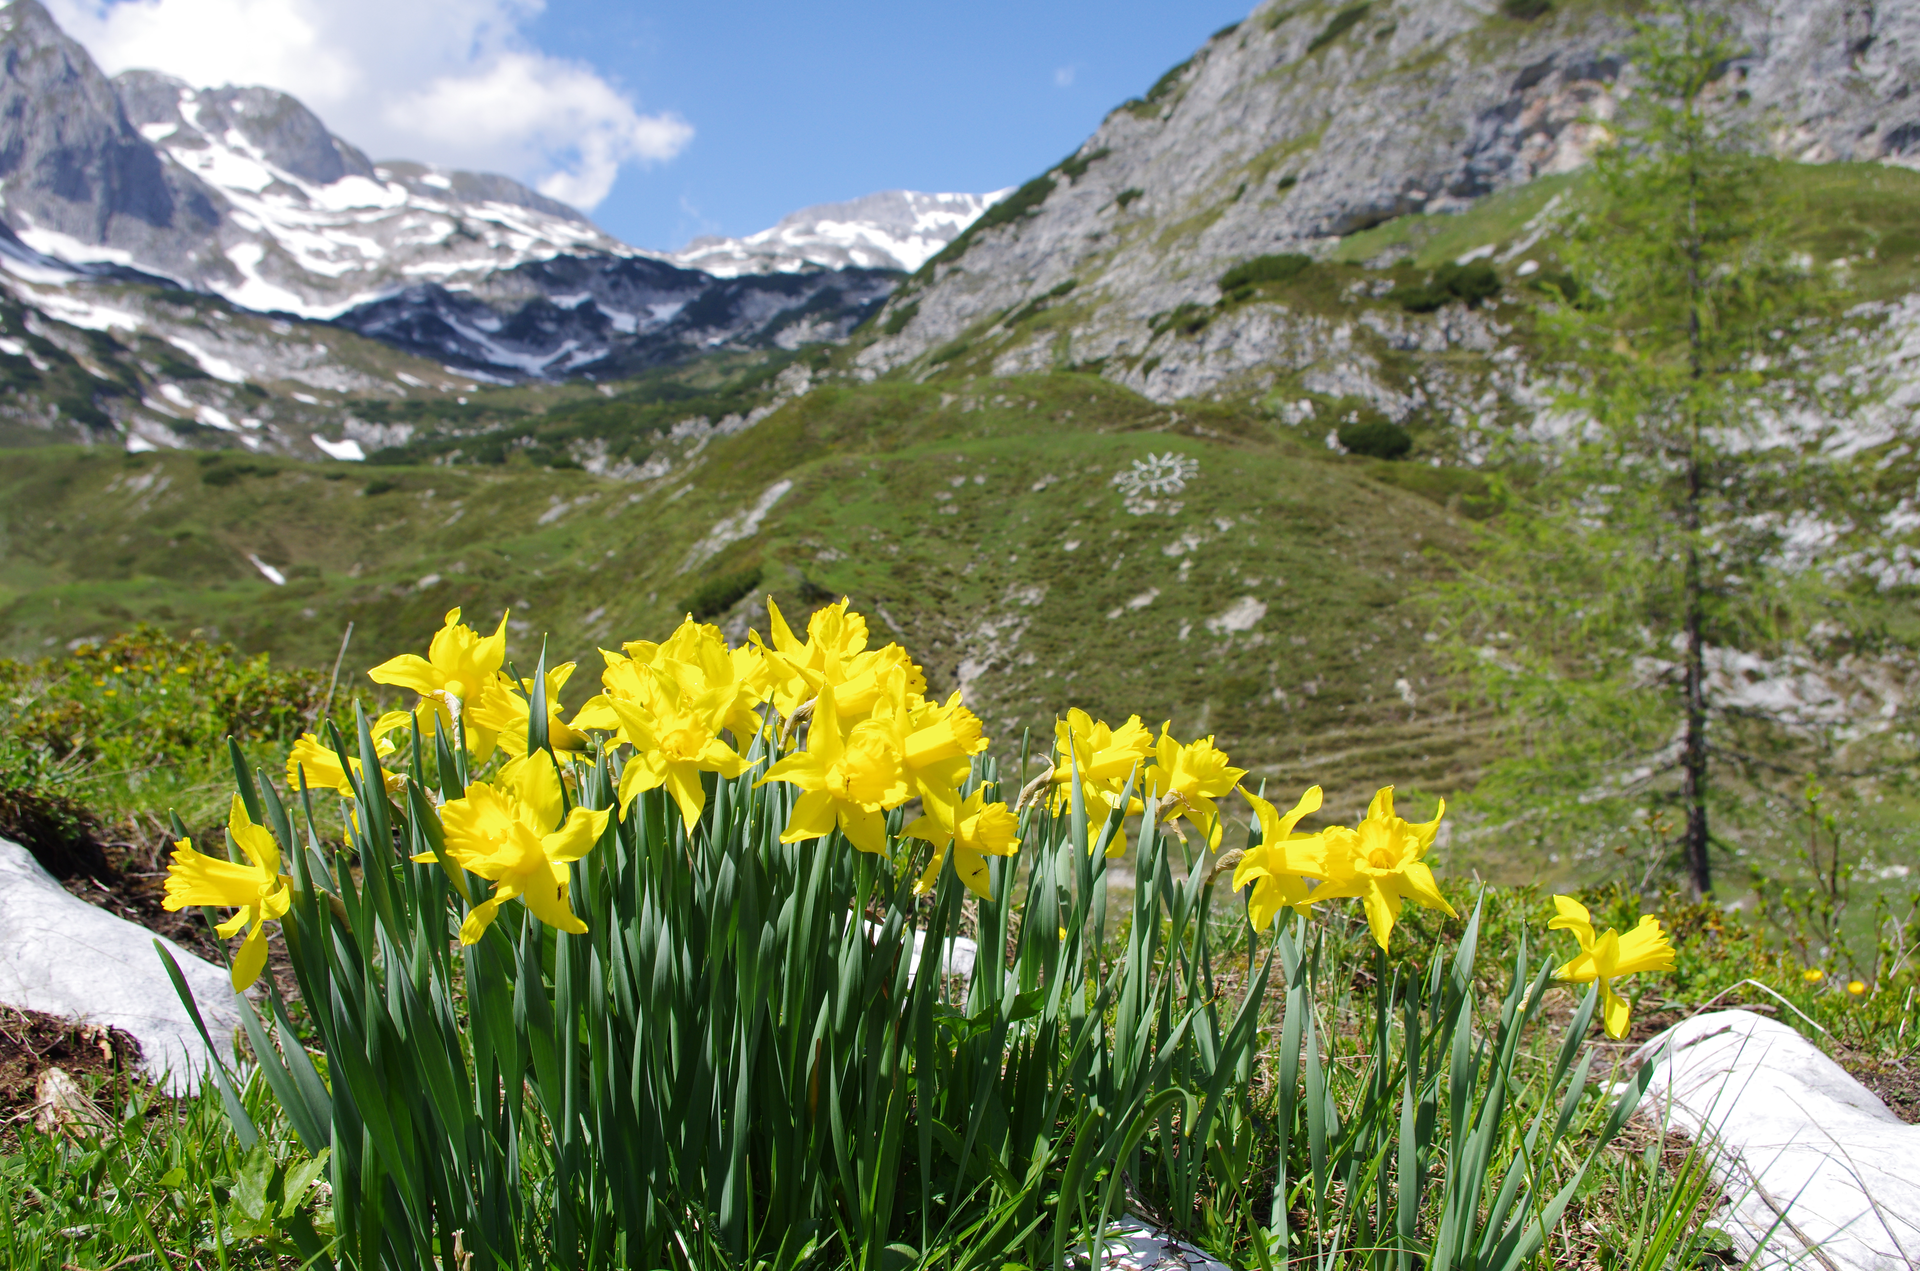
(1126, 197)
(1471, 284)
(1375, 438)
(1282, 268)
(1339, 25)
(1525, 10)
(720, 593)
(1075, 165)
(898, 319)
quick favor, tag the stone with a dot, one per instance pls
(62, 956)
(1816, 1171)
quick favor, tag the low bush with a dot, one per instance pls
(1281, 268)
(720, 593)
(1471, 284)
(1375, 438)
(1339, 25)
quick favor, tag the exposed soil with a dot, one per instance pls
(1896, 1082)
(31, 1042)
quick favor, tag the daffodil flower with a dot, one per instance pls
(846, 779)
(507, 715)
(257, 890)
(975, 830)
(1380, 862)
(517, 833)
(1105, 757)
(321, 763)
(1187, 780)
(1645, 948)
(1282, 863)
(935, 742)
(459, 669)
(674, 741)
(835, 654)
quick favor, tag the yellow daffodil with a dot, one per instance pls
(257, 890)
(835, 653)
(507, 715)
(1283, 862)
(975, 830)
(1380, 862)
(847, 778)
(460, 668)
(1105, 757)
(1187, 780)
(321, 763)
(517, 833)
(696, 658)
(936, 743)
(674, 737)
(1611, 956)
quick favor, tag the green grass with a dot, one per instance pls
(984, 524)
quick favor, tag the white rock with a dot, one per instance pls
(61, 956)
(1807, 1156)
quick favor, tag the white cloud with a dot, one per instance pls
(1063, 76)
(452, 82)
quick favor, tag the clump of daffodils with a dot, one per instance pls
(850, 727)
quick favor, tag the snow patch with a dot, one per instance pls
(349, 449)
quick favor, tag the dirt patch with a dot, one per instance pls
(31, 1043)
(1896, 1082)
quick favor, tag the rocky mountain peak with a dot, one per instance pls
(893, 229)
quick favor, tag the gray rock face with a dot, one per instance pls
(1306, 123)
(61, 956)
(284, 132)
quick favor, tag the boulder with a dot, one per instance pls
(62, 956)
(1816, 1171)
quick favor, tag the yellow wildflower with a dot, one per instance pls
(508, 715)
(1187, 780)
(1813, 975)
(835, 653)
(975, 829)
(1610, 957)
(1856, 987)
(460, 667)
(518, 833)
(1105, 757)
(258, 890)
(1282, 863)
(1380, 862)
(321, 763)
(847, 779)
(935, 742)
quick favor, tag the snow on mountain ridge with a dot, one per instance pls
(894, 229)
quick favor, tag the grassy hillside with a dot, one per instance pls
(1266, 600)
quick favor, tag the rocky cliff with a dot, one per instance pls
(1308, 122)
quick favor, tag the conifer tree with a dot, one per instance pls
(1647, 569)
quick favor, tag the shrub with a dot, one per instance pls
(1525, 10)
(1375, 438)
(1075, 165)
(1282, 268)
(1126, 197)
(897, 320)
(720, 593)
(1471, 284)
(1339, 25)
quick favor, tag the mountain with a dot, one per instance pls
(1307, 124)
(895, 229)
(244, 194)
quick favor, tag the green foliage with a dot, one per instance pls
(1651, 553)
(1525, 10)
(1278, 269)
(1338, 25)
(1075, 165)
(1126, 197)
(1027, 198)
(720, 593)
(1471, 284)
(1040, 302)
(899, 316)
(1375, 439)
(1186, 319)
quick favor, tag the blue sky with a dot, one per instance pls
(793, 105)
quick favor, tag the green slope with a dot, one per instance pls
(1266, 601)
